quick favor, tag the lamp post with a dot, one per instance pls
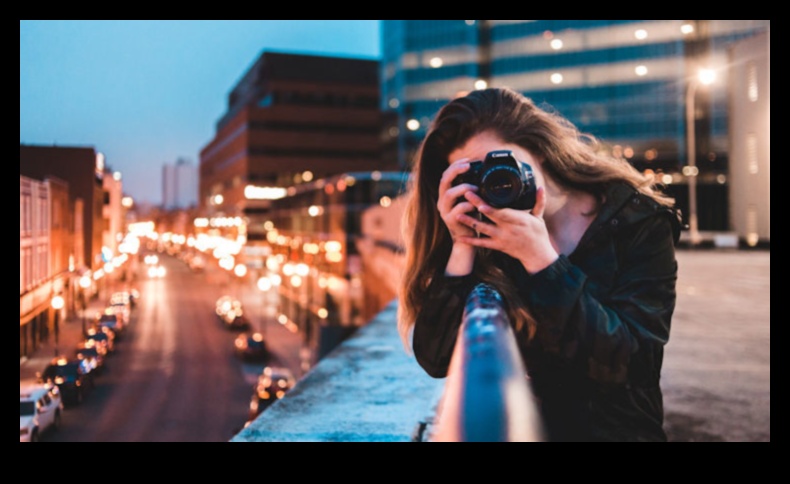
(85, 283)
(264, 284)
(704, 77)
(57, 304)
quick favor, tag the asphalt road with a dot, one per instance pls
(717, 365)
(174, 377)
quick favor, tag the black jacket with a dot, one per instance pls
(603, 317)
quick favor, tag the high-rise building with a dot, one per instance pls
(179, 185)
(624, 81)
(292, 118)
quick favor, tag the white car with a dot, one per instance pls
(40, 410)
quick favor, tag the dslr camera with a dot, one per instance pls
(502, 181)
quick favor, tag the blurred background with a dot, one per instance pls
(250, 195)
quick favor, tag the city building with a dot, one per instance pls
(72, 221)
(319, 242)
(46, 258)
(82, 168)
(113, 212)
(750, 151)
(179, 185)
(291, 118)
(624, 81)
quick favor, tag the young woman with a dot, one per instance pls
(588, 273)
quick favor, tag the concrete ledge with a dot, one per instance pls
(368, 389)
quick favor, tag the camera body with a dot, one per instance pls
(502, 181)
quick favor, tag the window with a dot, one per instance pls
(751, 81)
(751, 153)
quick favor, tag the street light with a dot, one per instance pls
(264, 284)
(57, 304)
(85, 283)
(704, 77)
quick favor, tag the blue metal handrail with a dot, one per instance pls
(487, 396)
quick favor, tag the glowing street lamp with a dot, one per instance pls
(704, 77)
(85, 283)
(57, 304)
(264, 285)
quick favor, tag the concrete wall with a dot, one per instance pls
(367, 390)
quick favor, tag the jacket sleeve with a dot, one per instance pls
(618, 340)
(436, 326)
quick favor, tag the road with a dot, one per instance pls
(175, 377)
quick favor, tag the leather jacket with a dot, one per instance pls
(603, 317)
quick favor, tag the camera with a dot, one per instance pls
(502, 181)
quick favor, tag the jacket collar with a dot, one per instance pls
(624, 205)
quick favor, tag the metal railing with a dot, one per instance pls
(487, 396)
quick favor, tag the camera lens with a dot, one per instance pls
(501, 186)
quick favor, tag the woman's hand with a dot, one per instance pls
(449, 206)
(462, 256)
(520, 234)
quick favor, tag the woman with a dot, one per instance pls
(588, 274)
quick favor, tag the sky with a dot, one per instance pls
(145, 93)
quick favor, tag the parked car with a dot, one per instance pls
(273, 383)
(122, 311)
(111, 320)
(197, 263)
(156, 272)
(73, 378)
(92, 356)
(104, 340)
(231, 313)
(40, 410)
(130, 296)
(251, 347)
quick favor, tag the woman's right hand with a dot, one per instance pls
(451, 204)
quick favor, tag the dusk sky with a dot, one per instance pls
(145, 93)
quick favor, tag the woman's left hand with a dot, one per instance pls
(520, 234)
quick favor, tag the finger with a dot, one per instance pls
(459, 190)
(498, 216)
(450, 198)
(478, 202)
(479, 242)
(461, 208)
(477, 225)
(540, 203)
(451, 173)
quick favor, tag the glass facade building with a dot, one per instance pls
(624, 81)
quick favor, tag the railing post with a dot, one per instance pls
(487, 397)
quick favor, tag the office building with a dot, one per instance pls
(179, 185)
(750, 150)
(291, 118)
(624, 81)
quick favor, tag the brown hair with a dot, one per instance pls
(570, 158)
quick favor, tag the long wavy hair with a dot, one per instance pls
(572, 159)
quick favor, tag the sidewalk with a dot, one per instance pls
(69, 336)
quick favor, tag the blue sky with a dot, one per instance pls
(145, 93)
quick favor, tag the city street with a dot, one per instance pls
(174, 377)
